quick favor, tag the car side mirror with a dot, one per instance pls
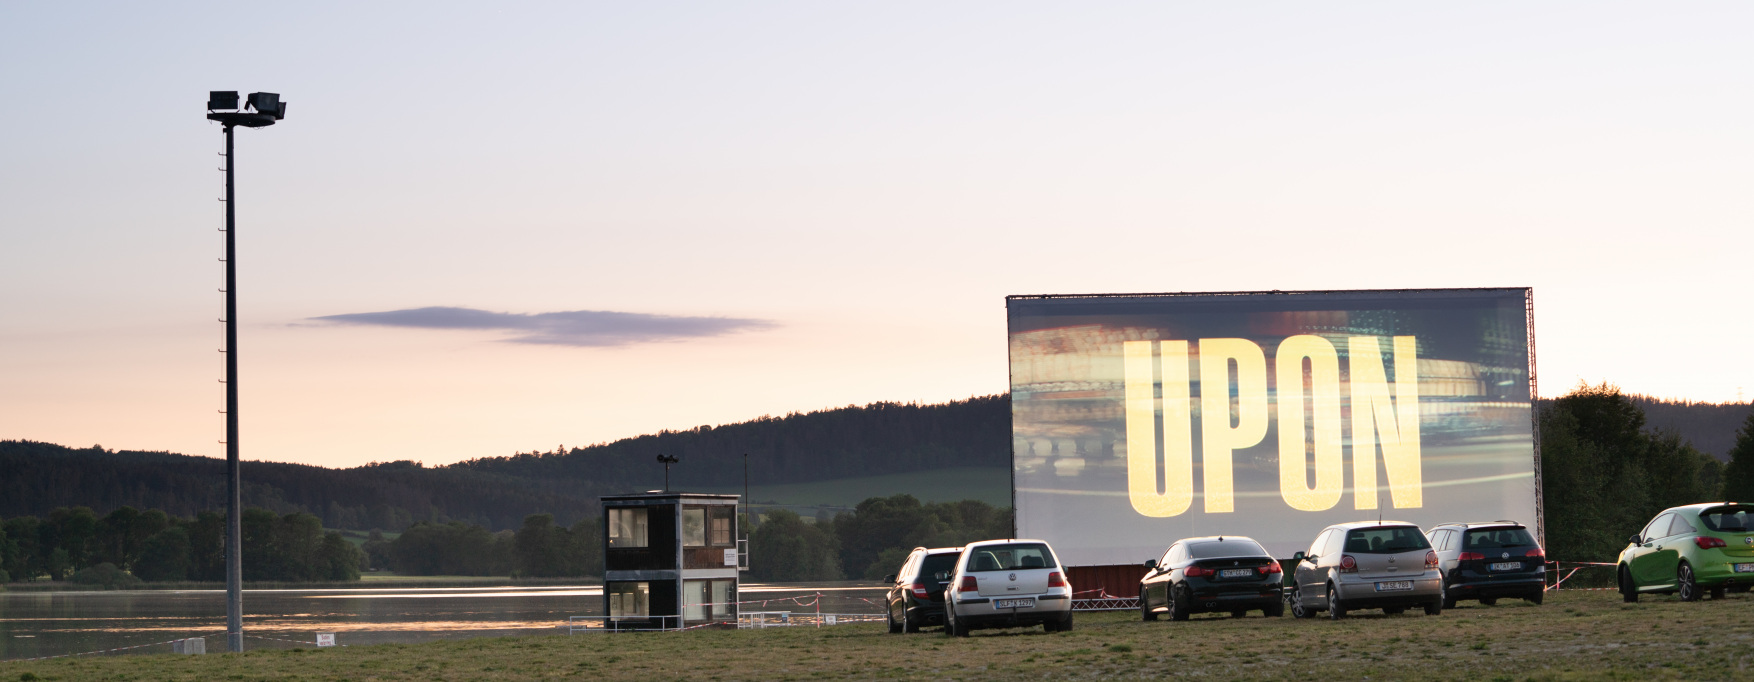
(1150, 563)
(1635, 539)
(1299, 556)
(889, 578)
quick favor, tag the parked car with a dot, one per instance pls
(916, 591)
(1691, 550)
(1007, 583)
(1201, 575)
(1384, 565)
(1486, 561)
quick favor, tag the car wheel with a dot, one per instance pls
(1298, 608)
(1180, 603)
(1489, 601)
(1717, 592)
(1274, 610)
(894, 627)
(1536, 597)
(953, 626)
(1434, 607)
(1065, 624)
(1145, 612)
(1628, 591)
(1336, 610)
(909, 623)
(1685, 583)
(1445, 599)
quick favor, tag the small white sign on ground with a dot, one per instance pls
(326, 639)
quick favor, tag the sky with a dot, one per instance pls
(486, 228)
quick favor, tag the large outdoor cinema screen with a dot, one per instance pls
(1140, 419)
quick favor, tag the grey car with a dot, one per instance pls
(1386, 565)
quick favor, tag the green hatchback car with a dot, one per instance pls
(1690, 551)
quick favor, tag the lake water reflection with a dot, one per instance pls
(34, 624)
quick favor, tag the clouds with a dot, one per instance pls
(587, 328)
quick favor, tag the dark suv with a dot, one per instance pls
(1486, 561)
(916, 592)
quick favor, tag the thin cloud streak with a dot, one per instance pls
(585, 328)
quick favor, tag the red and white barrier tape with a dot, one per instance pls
(100, 651)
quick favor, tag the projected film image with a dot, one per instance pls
(1141, 419)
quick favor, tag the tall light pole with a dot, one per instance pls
(263, 109)
(667, 461)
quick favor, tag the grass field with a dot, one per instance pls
(1576, 635)
(989, 485)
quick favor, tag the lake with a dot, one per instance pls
(35, 624)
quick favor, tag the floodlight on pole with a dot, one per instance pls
(222, 107)
(668, 460)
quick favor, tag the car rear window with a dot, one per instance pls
(1384, 540)
(938, 563)
(1731, 519)
(1225, 548)
(1009, 557)
(1494, 538)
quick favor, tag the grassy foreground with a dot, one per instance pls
(1577, 635)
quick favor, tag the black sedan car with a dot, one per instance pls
(1212, 574)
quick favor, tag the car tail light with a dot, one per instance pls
(1707, 542)
(1472, 556)
(1271, 568)
(968, 585)
(1196, 572)
(1430, 559)
(1348, 564)
(1056, 580)
(1537, 553)
(919, 590)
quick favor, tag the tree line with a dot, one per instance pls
(127, 546)
(498, 493)
(1605, 472)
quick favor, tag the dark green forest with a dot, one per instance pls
(497, 493)
(1608, 466)
(1606, 470)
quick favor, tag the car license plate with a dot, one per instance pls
(1014, 603)
(1506, 566)
(1236, 573)
(1745, 568)
(1394, 585)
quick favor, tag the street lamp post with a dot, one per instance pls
(667, 460)
(263, 109)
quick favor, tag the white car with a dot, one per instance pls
(1005, 584)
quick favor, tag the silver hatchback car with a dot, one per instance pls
(1007, 583)
(1386, 565)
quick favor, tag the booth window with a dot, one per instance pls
(693, 527)
(627, 527)
(629, 599)
(721, 525)
(704, 600)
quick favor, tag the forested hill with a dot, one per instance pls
(497, 492)
(1710, 427)
(880, 438)
(38, 477)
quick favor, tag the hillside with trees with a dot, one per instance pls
(497, 493)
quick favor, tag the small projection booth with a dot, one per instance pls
(670, 559)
